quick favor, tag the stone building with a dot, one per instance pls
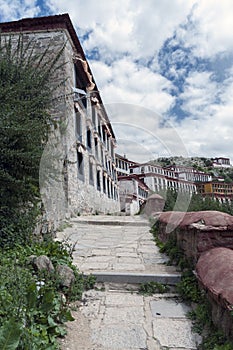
(123, 164)
(78, 170)
(133, 194)
(221, 162)
(159, 178)
(223, 191)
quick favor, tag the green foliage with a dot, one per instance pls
(215, 341)
(226, 346)
(201, 317)
(35, 299)
(188, 288)
(152, 287)
(25, 97)
(170, 248)
(195, 203)
(10, 334)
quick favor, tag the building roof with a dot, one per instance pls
(48, 23)
(134, 177)
(43, 23)
(136, 165)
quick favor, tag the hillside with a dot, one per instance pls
(199, 163)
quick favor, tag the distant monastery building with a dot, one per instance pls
(179, 178)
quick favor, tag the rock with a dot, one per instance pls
(66, 275)
(155, 203)
(197, 232)
(208, 218)
(214, 271)
(41, 263)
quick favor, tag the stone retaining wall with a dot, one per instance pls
(206, 238)
(215, 273)
(197, 232)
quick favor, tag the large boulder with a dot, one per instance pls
(66, 275)
(155, 203)
(205, 219)
(214, 270)
(41, 263)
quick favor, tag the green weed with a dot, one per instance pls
(152, 287)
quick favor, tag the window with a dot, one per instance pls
(91, 177)
(112, 149)
(83, 99)
(98, 180)
(80, 165)
(99, 125)
(103, 133)
(108, 142)
(88, 138)
(96, 147)
(78, 126)
(102, 157)
(104, 184)
(79, 91)
(93, 115)
(108, 187)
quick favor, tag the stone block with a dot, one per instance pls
(175, 333)
(118, 315)
(119, 338)
(123, 300)
(168, 308)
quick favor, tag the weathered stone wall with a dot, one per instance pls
(63, 192)
(197, 232)
(206, 238)
(154, 204)
(215, 274)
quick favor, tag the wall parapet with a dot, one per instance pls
(206, 240)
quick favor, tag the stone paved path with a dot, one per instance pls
(121, 252)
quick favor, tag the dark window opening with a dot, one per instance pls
(98, 180)
(108, 184)
(104, 184)
(79, 96)
(91, 178)
(88, 138)
(99, 130)
(78, 120)
(96, 147)
(104, 134)
(80, 164)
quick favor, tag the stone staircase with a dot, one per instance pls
(120, 252)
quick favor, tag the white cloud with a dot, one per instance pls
(210, 31)
(16, 9)
(200, 93)
(209, 131)
(125, 81)
(127, 35)
(132, 26)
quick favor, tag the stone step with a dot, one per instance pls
(111, 223)
(118, 319)
(136, 278)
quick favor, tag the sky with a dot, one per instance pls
(164, 69)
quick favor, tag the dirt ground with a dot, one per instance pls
(78, 334)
